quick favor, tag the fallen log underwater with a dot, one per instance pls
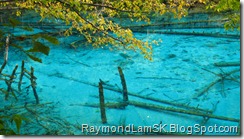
(217, 35)
(154, 107)
(134, 94)
(185, 109)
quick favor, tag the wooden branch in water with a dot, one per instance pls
(189, 112)
(160, 78)
(205, 89)
(5, 54)
(21, 75)
(115, 105)
(206, 119)
(160, 108)
(190, 33)
(3, 65)
(22, 107)
(136, 95)
(33, 85)
(78, 61)
(28, 75)
(221, 78)
(123, 82)
(102, 105)
(176, 23)
(9, 83)
(227, 64)
(12, 78)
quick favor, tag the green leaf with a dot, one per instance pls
(1, 126)
(17, 46)
(39, 47)
(14, 22)
(11, 132)
(51, 39)
(4, 91)
(27, 28)
(1, 33)
(1, 45)
(18, 120)
(34, 58)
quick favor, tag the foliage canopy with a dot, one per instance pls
(93, 18)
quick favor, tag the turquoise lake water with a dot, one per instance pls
(182, 91)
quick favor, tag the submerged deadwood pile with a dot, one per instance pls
(12, 77)
(12, 91)
(173, 107)
(18, 106)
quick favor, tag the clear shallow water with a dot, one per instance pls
(182, 67)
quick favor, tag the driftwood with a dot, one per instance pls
(76, 61)
(22, 107)
(123, 82)
(9, 83)
(110, 105)
(162, 108)
(206, 119)
(33, 85)
(21, 75)
(190, 33)
(102, 105)
(205, 89)
(220, 79)
(29, 74)
(177, 23)
(134, 94)
(227, 64)
(160, 78)
(189, 112)
(5, 55)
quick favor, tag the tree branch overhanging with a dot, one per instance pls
(77, 12)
